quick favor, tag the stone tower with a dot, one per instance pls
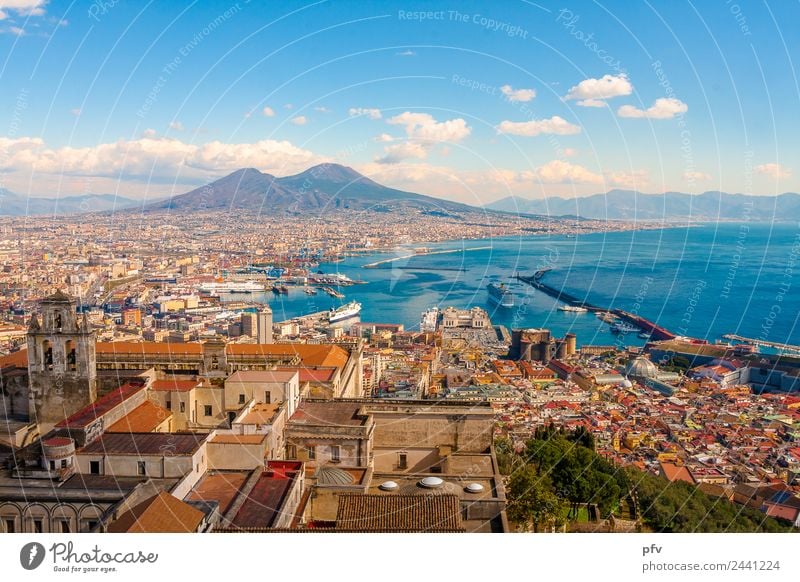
(62, 371)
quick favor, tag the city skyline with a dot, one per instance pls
(469, 103)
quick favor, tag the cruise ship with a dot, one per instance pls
(232, 287)
(344, 312)
(572, 308)
(430, 320)
(500, 294)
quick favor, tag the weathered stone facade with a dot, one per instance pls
(61, 362)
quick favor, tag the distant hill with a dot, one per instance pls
(632, 205)
(320, 188)
(12, 204)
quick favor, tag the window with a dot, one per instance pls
(141, 468)
(38, 526)
(312, 452)
(336, 453)
(64, 524)
(207, 410)
(267, 398)
(52, 465)
(63, 463)
(291, 452)
(183, 407)
(402, 460)
(89, 524)
(169, 404)
(241, 398)
(94, 467)
(10, 525)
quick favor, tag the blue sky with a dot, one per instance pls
(470, 101)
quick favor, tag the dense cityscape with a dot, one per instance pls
(139, 369)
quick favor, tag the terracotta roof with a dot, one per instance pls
(327, 355)
(144, 418)
(15, 359)
(265, 499)
(88, 414)
(673, 472)
(153, 443)
(172, 385)
(223, 487)
(399, 513)
(162, 513)
(239, 439)
(147, 348)
(315, 374)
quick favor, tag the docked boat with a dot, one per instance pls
(344, 312)
(501, 295)
(232, 287)
(310, 291)
(430, 320)
(572, 308)
(623, 327)
(606, 317)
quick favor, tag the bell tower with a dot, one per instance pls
(62, 371)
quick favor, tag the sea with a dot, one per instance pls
(701, 281)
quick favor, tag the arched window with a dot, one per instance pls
(47, 355)
(72, 357)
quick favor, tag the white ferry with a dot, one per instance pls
(344, 312)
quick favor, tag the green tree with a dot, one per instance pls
(533, 504)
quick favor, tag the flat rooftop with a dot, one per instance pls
(331, 413)
(261, 414)
(263, 376)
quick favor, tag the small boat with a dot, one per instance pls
(500, 295)
(572, 308)
(283, 290)
(310, 291)
(622, 327)
(276, 290)
(606, 316)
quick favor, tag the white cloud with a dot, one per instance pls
(592, 103)
(288, 106)
(560, 172)
(361, 111)
(403, 151)
(569, 152)
(554, 125)
(694, 176)
(589, 92)
(384, 137)
(268, 112)
(517, 95)
(631, 180)
(406, 53)
(3, 15)
(75, 111)
(322, 109)
(773, 170)
(156, 158)
(422, 126)
(149, 132)
(663, 108)
(23, 7)
(176, 125)
(299, 120)
(16, 30)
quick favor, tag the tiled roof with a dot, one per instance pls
(311, 354)
(144, 418)
(162, 513)
(88, 414)
(399, 513)
(335, 413)
(147, 348)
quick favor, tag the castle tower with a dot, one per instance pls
(62, 371)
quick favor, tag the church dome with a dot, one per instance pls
(641, 367)
(333, 476)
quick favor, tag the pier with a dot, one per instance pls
(656, 331)
(763, 343)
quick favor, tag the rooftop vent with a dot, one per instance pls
(474, 488)
(431, 482)
(388, 486)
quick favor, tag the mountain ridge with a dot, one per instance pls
(633, 205)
